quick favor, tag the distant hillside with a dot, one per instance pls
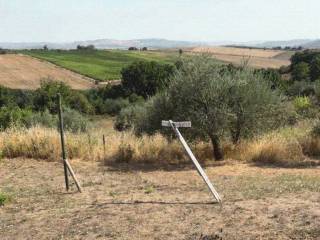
(313, 44)
(107, 44)
(305, 43)
(157, 43)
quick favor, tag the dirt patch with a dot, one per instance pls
(257, 58)
(259, 203)
(24, 72)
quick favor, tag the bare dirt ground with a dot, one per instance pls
(24, 72)
(257, 58)
(124, 203)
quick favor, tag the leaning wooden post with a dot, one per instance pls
(175, 126)
(66, 164)
(64, 158)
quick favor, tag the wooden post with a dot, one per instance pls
(66, 164)
(104, 145)
(64, 158)
(201, 172)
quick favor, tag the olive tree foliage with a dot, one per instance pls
(220, 103)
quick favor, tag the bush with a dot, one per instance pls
(301, 88)
(302, 103)
(46, 97)
(4, 198)
(16, 98)
(146, 78)
(79, 102)
(305, 108)
(129, 117)
(301, 72)
(315, 68)
(114, 106)
(13, 116)
(44, 119)
(74, 121)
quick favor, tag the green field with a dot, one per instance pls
(100, 64)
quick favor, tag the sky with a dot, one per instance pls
(193, 20)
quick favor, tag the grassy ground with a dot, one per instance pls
(122, 203)
(100, 64)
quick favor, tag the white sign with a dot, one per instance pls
(176, 124)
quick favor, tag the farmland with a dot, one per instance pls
(101, 65)
(24, 72)
(258, 58)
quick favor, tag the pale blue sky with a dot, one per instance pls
(202, 20)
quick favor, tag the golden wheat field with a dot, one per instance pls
(258, 58)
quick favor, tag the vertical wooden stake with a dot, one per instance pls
(64, 158)
(104, 145)
(66, 164)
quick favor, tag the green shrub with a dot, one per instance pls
(315, 68)
(74, 121)
(4, 198)
(301, 72)
(46, 97)
(13, 116)
(146, 78)
(44, 119)
(134, 98)
(302, 103)
(129, 117)
(114, 106)
(301, 88)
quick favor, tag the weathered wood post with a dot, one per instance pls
(175, 126)
(64, 158)
(66, 164)
(104, 145)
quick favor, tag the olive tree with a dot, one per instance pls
(220, 103)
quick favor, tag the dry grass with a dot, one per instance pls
(274, 150)
(258, 203)
(42, 143)
(286, 147)
(240, 51)
(311, 146)
(258, 58)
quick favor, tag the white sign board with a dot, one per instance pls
(176, 124)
